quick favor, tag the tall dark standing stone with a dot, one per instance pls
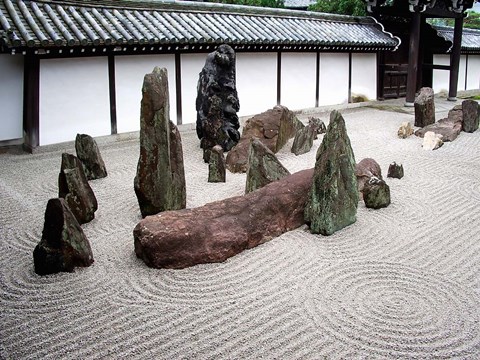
(160, 180)
(333, 199)
(73, 186)
(217, 170)
(89, 155)
(64, 246)
(424, 107)
(217, 102)
(471, 115)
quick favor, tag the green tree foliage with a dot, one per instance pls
(345, 7)
(262, 3)
(472, 21)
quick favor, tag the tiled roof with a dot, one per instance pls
(470, 37)
(49, 24)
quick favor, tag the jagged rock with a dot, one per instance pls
(395, 171)
(64, 246)
(333, 199)
(73, 186)
(89, 154)
(376, 194)
(405, 130)
(424, 107)
(216, 165)
(273, 128)
(471, 115)
(219, 230)
(160, 179)
(263, 167)
(365, 170)
(449, 127)
(318, 125)
(217, 102)
(432, 141)
(303, 141)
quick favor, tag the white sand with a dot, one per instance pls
(401, 282)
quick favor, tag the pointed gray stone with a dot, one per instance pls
(216, 165)
(303, 141)
(89, 155)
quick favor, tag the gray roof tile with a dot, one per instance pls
(470, 37)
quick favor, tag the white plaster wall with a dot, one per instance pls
(441, 77)
(256, 82)
(74, 98)
(192, 65)
(461, 73)
(129, 73)
(11, 97)
(298, 80)
(333, 79)
(473, 76)
(364, 75)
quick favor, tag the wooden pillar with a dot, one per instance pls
(31, 102)
(455, 59)
(380, 74)
(113, 94)
(178, 87)
(279, 78)
(413, 56)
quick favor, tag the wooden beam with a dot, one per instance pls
(455, 59)
(413, 55)
(31, 102)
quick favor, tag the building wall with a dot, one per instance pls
(74, 98)
(129, 73)
(11, 97)
(441, 77)
(473, 73)
(333, 79)
(364, 75)
(192, 65)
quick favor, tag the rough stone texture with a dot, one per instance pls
(376, 194)
(217, 102)
(73, 186)
(318, 125)
(365, 170)
(424, 107)
(263, 167)
(160, 179)
(219, 230)
(333, 199)
(471, 115)
(64, 246)
(395, 171)
(303, 141)
(405, 130)
(216, 165)
(273, 128)
(89, 154)
(449, 127)
(432, 141)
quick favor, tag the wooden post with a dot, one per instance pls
(455, 59)
(413, 53)
(113, 96)
(279, 78)
(31, 102)
(178, 87)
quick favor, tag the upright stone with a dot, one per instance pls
(160, 179)
(75, 189)
(64, 246)
(471, 115)
(217, 102)
(376, 194)
(318, 125)
(303, 141)
(424, 107)
(263, 167)
(89, 155)
(216, 165)
(333, 199)
(395, 171)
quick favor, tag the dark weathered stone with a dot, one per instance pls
(160, 180)
(449, 127)
(217, 102)
(318, 125)
(216, 165)
(73, 186)
(333, 198)
(376, 194)
(64, 245)
(303, 141)
(263, 167)
(89, 154)
(219, 230)
(365, 170)
(395, 171)
(424, 107)
(471, 115)
(273, 128)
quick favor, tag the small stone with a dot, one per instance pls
(64, 246)
(471, 116)
(395, 171)
(216, 165)
(405, 130)
(424, 107)
(318, 125)
(89, 154)
(263, 167)
(376, 194)
(303, 141)
(365, 170)
(432, 141)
